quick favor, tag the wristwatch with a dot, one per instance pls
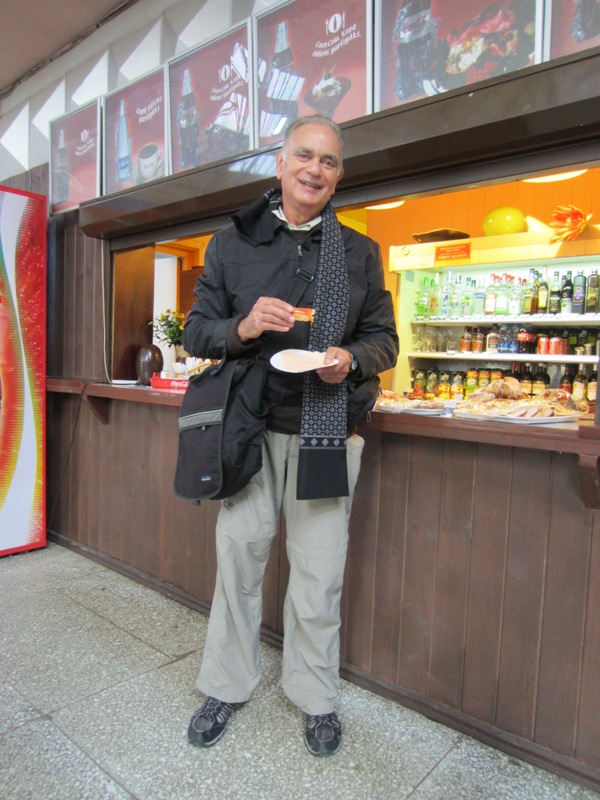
(353, 366)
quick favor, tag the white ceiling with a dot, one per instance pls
(32, 32)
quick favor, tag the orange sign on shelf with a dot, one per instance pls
(453, 252)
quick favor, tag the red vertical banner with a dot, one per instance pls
(574, 26)
(209, 102)
(135, 133)
(75, 158)
(22, 371)
(427, 47)
(312, 57)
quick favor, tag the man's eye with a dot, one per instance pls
(329, 163)
(303, 156)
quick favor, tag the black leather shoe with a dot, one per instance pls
(208, 722)
(323, 734)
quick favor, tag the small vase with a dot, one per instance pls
(181, 353)
(148, 361)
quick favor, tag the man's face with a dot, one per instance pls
(308, 167)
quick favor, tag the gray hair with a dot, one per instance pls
(315, 119)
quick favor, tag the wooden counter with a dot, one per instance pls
(473, 577)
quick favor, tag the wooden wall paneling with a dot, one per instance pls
(493, 478)
(452, 573)
(422, 531)
(187, 284)
(394, 455)
(139, 550)
(132, 310)
(54, 295)
(530, 503)
(567, 572)
(588, 729)
(359, 584)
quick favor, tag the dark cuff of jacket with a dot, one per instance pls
(234, 345)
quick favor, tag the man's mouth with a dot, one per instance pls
(310, 185)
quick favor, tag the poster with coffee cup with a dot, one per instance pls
(135, 133)
(312, 57)
(427, 47)
(75, 158)
(209, 101)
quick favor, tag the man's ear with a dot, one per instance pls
(339, 178)
(278, 163)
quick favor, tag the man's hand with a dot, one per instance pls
(268, 314)
(339, 372)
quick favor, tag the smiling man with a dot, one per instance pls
(311, 451)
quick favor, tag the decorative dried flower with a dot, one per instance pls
(568, 222)
(168, 326)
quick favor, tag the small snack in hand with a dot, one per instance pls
(304, 314)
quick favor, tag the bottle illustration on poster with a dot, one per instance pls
(61, 170)
(124, 169)
(188, 124)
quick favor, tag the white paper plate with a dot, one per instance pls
(423, 412)
(299, 360)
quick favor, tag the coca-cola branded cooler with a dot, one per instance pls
(22, 371)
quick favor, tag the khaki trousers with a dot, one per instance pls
(317, 542)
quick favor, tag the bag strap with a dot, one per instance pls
(304, 277)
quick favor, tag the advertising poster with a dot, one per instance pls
(134, 133)
(574, 26)
(311, 57)
(75, 158)
(22, 371)
(427, 47)
(209, 102)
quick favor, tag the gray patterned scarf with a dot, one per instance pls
(322, 470)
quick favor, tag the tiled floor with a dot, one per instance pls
(97, 685)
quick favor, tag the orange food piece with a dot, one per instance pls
(304, 314)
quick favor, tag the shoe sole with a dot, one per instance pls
(323, 753)
(201, 743)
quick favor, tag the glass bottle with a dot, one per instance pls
(566, 380)
(479, 298)
(579, 291)
(422, 305)
(543, 293)
(526, 380)
(466, 340)
(489, 306)
(554, 297)
(566, 295)
(530, 295)
(188, 124)
(445, 294)
(455, 296)
(541, 380)
(124, 170)
(466, 300)
(492, 340)
(278, 85)
(579, 384)
(514, 298)
(502, 291)
(434, 297)
(591, 296)
(591, 387)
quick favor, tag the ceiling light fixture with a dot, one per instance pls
(386, 206)
(559, 176)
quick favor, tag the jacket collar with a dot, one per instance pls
(254, 223)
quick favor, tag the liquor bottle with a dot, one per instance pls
(492, 340)
(479, 298)
(579, 384)
(530, 294)
(566, 295)
(591, 297)
(423, 300)
(489, 306)
(61, 171)
(514, 298)
(434, 297)
(466, 340)
(124, 165)
(541, 380)
(554, 297)
(466, 299)
(543, 293)
(188, 124)
(591, 387)
(526, 380)
(566, 380)
(502, 291)
(455, 296)
(446, 292)
(579, 287)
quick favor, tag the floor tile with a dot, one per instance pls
(14, 710)
(39, 762)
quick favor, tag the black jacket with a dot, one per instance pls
(259, 256)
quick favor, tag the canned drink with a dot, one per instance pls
(555, 346)
(543, 345)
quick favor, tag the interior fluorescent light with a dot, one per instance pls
(560, 176)
(384, 206)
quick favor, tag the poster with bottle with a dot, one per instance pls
(312, 57)
(22, 371)
(209, 101)
(135, 134)
(75, 158)
(574, 25)
(427, 47)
